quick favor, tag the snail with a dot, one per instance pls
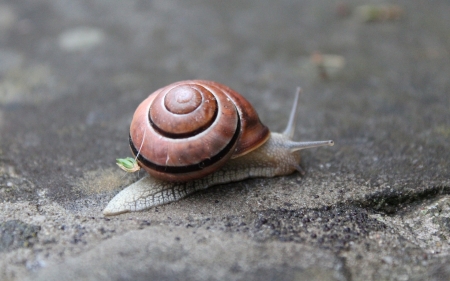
(194, 134)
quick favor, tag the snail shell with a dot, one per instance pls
(189, 129)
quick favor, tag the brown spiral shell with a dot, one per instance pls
(189, 129)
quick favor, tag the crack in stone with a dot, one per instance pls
(389, 202)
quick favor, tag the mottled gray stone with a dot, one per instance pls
(159, 253)
(16, 234)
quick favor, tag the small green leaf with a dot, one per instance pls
(128, 164)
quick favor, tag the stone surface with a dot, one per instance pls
(16, 234)
(373, 207)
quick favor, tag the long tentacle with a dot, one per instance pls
(295, 146)
(290, 128)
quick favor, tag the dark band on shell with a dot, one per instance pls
(190, 168)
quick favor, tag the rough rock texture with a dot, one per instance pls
(376, 206)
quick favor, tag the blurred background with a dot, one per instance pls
(372, 72)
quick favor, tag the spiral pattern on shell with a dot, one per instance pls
(189, 129)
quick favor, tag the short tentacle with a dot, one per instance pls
(290, 128)
(300, 169)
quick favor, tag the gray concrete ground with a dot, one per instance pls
(376, 206)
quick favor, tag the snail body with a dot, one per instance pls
(183, 157)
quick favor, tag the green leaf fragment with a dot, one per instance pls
(128, 164)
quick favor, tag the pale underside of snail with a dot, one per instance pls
(276, 155)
